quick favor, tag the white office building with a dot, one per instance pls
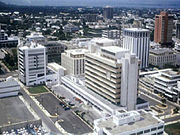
(112, 34)
(32, 64)
(9, 87)
(113, 74)
(137, 40)
(161, 57)
(36, 37)
(129, 123)
(73, 61)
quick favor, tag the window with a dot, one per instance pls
(147, 131)
(160, 127)
(153, 129)
(140, 133)
(160, 133)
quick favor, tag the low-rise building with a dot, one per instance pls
(70, 28)
(161, 57)
(6, 41)
(112, 34)
(129, 123)
(36, 37)
(9, 87)
(164, 83)
(73, 61)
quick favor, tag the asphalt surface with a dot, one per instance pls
(69, 121)
(46, 120)
(13, 110)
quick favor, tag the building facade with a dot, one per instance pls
(108, 12)
(9, 87)
(6, 41)
(73, 61)
(178, 30)
(108, 74)
(165, 83)
(137, 40)
(112, 34)
(32, 64)
(54, 50)
(161, 57)
(163, 29)
(129, 123)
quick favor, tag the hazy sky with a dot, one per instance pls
(94, 2)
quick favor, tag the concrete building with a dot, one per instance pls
(70, 28)
(36, 37)
(161, 57)
(90, 17)
(164, 83)
(129, 123)
(137, 40)
(163, 29)
(6, 41)
(178, 30)
(112, 34)
(113, 74)
(9, 87)
(54, 50)
(108, 12)
(73, 61)
(32, 64)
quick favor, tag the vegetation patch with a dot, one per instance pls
(37, 89)
(173, 129)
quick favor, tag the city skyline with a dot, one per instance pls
(100, 3)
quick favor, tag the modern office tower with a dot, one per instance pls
(111, 34)
(137, 40)
(73, 61)
(113, 74)
(54, 50)
(108, 12)
(163, 29)
(161, 57)
(32, 64)
(178, 30)
(129, 123)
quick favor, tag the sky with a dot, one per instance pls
(116, 3)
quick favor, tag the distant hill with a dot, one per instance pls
(2, 4)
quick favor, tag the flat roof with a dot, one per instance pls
(77, 51)
(160, 50)
(13, 110)
(136, 30)
(146, 120)
(32, 45)
(114, 49)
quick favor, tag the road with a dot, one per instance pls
(46, 120)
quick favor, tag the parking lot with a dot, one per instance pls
(66, 118)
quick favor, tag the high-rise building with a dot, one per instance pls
(137, 40)
(108, 12)
(113, 74)
(32, 64)
(178, 30)
(163, 29)
(73, 61)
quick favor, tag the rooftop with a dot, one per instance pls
(136, 30)
(161, 50)
(77, 51)
(114, 49)
(31, 45)
(146, 120)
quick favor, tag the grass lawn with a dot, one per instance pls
(173, 129)
(37, 89)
